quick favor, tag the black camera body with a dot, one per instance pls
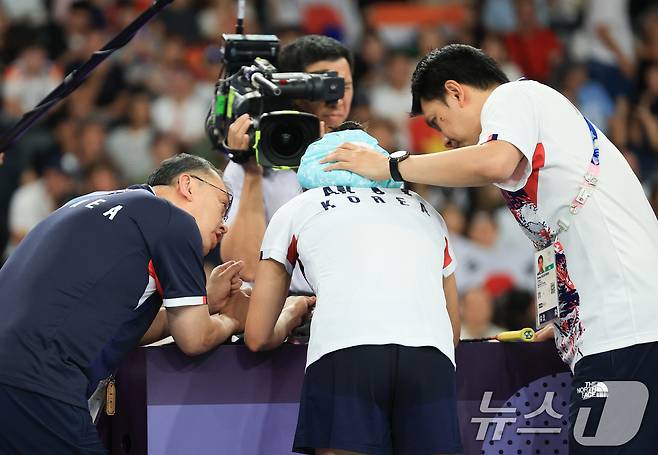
(251, 85)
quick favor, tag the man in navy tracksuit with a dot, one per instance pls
(85, 285)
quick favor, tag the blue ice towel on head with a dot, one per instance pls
(311, 175)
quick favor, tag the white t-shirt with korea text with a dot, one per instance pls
(375, 258)
(278, 188)
(607, 261)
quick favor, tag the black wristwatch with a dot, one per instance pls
(394, 160)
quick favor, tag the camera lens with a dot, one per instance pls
(285, 136)
(286, 139)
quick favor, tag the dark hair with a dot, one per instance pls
(460, 62)
(306, 50)
(348, 125)
(102, 164)
(176, 165)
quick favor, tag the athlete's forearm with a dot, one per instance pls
(218, 329)
(286, 322)
(267, 320)
(196, 332)
(158, 330)
(452, 305)
(244, 237)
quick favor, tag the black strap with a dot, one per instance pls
(79, 75)
(395, 171)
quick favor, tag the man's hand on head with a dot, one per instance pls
(223, 283)
(359, 159)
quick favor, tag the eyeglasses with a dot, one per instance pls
(227, 206)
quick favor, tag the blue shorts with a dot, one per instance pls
(611, 420)
(380, 400)
(35, 424)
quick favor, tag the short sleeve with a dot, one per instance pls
(234, 179)
(599, 13)
(178, 262)
(22, 214)
(509, 115)
(13, 85)
(280, 240)
(449, 259)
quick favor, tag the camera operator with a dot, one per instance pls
(260, 192)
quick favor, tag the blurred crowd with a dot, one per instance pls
(148, 102)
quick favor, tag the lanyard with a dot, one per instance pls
(590, 181)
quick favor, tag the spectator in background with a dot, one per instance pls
(385, 131)
(587, 95)
(647, 44)
(36, 199)
(387, 97)
(360, 111)
(564, 16)
(634, 163)
(4, 26)
(515, 309)
(32, 11)
(369, 62)
(610, 45)
(180, 19)
(155, 68)
(226, 15)
(484, 260)
(477, 311)
(288, 34)
(455, 219)
(140, 58)
(180, 111)
(635, 127)
(102, 175)
(429, 38)
(493, 46)
(338, 19)
(500, 15)
(79, 20)
(164, 146)
(643, 127)
(105, 87)
(129, 145)
(532, 46)
(28, 79)
(66, 135)
(91, 142)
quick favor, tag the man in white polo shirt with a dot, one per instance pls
(380, 374)
(577, 199)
